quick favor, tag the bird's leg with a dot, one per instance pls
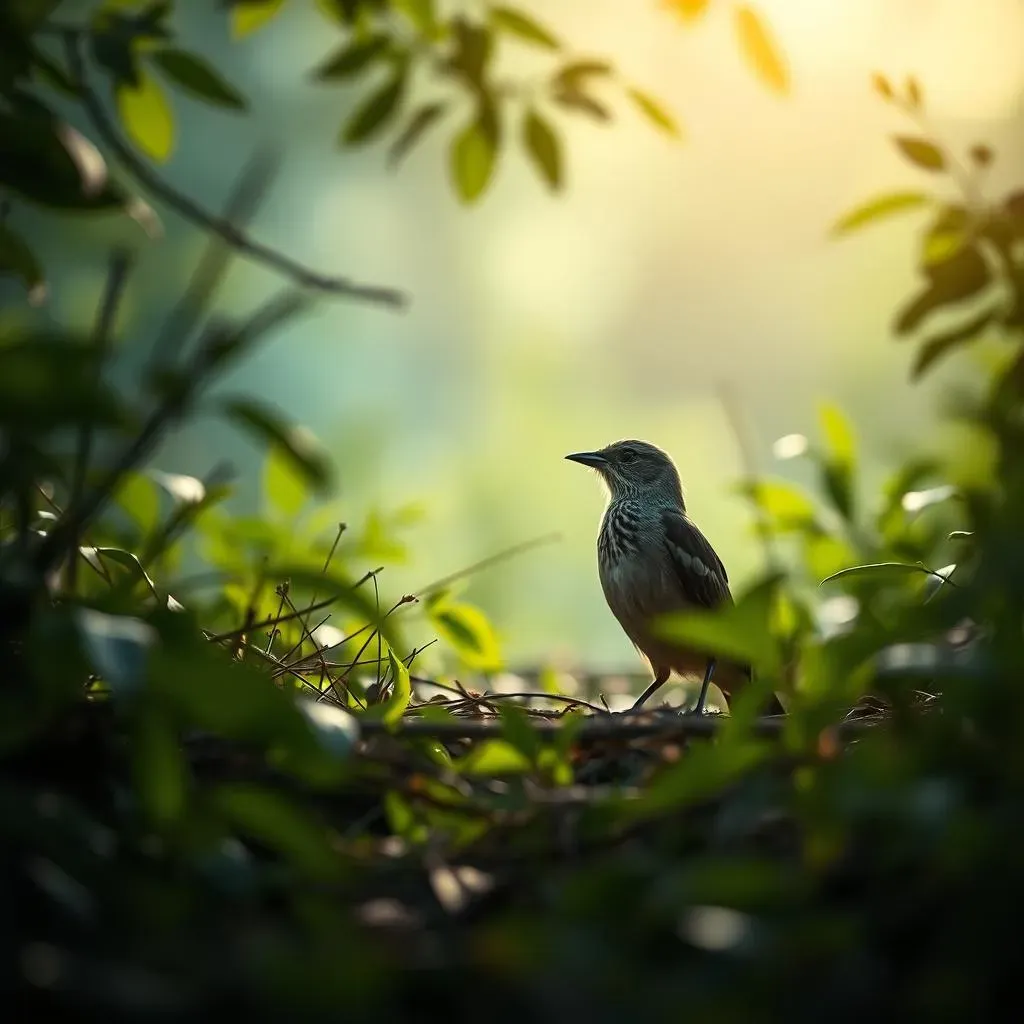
(659, 680)
(708, 673)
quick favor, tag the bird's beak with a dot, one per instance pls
(594, 459)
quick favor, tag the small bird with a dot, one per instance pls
(653, 560)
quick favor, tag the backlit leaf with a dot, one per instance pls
(467, 630)
(284, 488)
(146, 117)
(493, 757)
(688, 10)
(654, 112)
(523, 27)
(250, 15)
(542, 146)
(760, 50)
(474, 153)
(401, 691)
(940, 345)
(921, 152)
(878, 209)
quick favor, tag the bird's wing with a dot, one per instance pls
(702, 577)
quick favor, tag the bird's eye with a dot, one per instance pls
(627, 455)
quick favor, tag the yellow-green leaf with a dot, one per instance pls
(473, 157)
(249, 15)
(467, 630)
(493, 757)
(146, 117)
(921, 152)
(760, 50)
(284, 487)
(401, 691)
(878, 209)
(655, 112)
(838, 433)
(542, 146)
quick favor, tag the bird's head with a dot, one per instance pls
(632, 468)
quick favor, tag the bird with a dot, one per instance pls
(653, 560)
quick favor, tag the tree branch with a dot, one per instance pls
(192, 211)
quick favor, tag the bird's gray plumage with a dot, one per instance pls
(653, 560)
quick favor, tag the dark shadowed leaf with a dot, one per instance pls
(146, 117)
(935, 348)
(878, 209)
(296, 442)
(374, 114)
(574, 98)
(913, 93)
(18, 259)
(195, 76)
(353, 58)
(474, 46)
(542, 146)
(655, 113)
(280, 823)
(416, 128)
(516, 728)
(572, 75)
(961, 276)
(422, 13)
(521, 25)
(39, 160)
(921, 152)
(947, 235)
(158, 762)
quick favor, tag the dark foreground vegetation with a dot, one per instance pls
(210, 805)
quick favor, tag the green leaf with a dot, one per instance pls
(522, 26)
(146, 117)
(840, 457)
(474, 153)
(787, 506)
(284, 488)
(159, 768)
(401, 691)
(921, 152)
(248, 16)
(421, 13)
(196, 77)
(466, 629)
(279, 822)
(946, 236)
(421, 121)
(516, 728)
(760, 50)
(940, 345)
(655, 113)
(878, 570)
(740, 631)
(17, 258)
(138, 497)
(493, 757)
(295, 443)
(878, 209)
(353, 58)
(571, 75)
(575, 98)
(372, 116)
(542, 146)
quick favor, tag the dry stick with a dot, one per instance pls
(562, 698)
(117, 277)
(192, 211)
(234, 633)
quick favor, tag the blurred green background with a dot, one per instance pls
(541, 325)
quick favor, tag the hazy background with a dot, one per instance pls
(542, 325)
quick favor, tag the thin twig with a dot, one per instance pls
(242, 243)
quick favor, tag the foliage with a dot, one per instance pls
(214, 798)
